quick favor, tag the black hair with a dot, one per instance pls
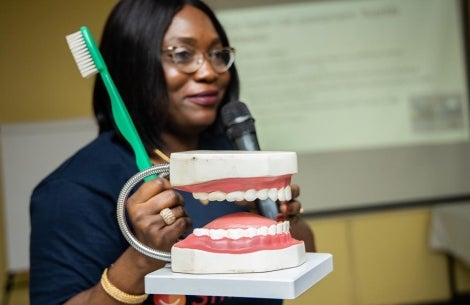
(130, 45)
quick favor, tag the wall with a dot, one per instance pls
(39, 79)
(379, 258)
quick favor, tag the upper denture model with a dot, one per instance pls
(234, 175)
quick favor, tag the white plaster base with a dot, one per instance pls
(196, 261)
(281, 284)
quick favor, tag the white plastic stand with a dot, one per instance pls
(281, 284)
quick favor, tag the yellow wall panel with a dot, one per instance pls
(336, 288)
(392, 260)
(462, 277)
(39, 79)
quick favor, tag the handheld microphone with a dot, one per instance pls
(240, 128)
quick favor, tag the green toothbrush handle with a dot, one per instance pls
(126, 125)
(121, 116)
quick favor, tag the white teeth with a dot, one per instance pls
(201, 196)
(250, 195)
(216, 196)
(235, 196)
(272, 230)
(283, 194)
(234, 233)
(263, 231)
(279, 227)
(251, 232)
(272, 193)
(263, 194)
(216, 234)
(288, 193)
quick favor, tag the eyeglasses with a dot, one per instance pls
(188, 60)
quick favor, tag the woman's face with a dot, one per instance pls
(194, 97)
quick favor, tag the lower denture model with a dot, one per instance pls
(240, 242)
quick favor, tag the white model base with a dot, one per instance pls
(280, 284)
(197, 261)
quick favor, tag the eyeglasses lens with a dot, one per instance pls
(189, 61)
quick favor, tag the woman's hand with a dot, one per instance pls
(299, 229)
(144, 208)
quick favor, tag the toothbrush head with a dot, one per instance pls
(85, 52)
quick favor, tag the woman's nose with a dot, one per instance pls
(206, 72)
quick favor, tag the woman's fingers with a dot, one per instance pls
(157, 214)
(295, 190)
(148, 190)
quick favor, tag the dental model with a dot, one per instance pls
(240, 242)
(234, 175)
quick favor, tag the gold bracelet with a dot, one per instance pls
(118, 294)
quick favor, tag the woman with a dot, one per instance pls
(152, 49)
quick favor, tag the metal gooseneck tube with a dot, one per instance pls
(162, 170)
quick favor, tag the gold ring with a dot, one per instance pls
(168, 216)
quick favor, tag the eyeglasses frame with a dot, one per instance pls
(205, 56)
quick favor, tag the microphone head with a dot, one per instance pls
(237, 119)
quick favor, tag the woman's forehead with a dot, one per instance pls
(191, 26)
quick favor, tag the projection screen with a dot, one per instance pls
(372, 95)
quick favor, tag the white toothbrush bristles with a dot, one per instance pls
(81, 54)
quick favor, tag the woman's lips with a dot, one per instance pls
(206, 98)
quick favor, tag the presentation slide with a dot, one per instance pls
(371, 94)
(335, 75)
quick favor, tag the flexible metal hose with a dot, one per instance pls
(162, 170)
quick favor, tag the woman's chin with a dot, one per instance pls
(203, 122)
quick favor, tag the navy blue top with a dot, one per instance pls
(74, 231)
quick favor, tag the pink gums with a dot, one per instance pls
(242, 245)
(237, 246)
(237, 184)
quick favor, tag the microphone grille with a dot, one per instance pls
(237, 119)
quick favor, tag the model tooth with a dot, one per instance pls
(286, 227)
(272, 193)
(283, 227)
(230, 197)
(279, 228)
(217, 233)
(216, 196)
(281, 194)
(204, 202)
(235, 196)
(200, 232)
(201, 196)
(263, 231)
(250, 195)
(288, 193)
(263, 194)
(234, 233)
(272, 230)
(251, 232)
